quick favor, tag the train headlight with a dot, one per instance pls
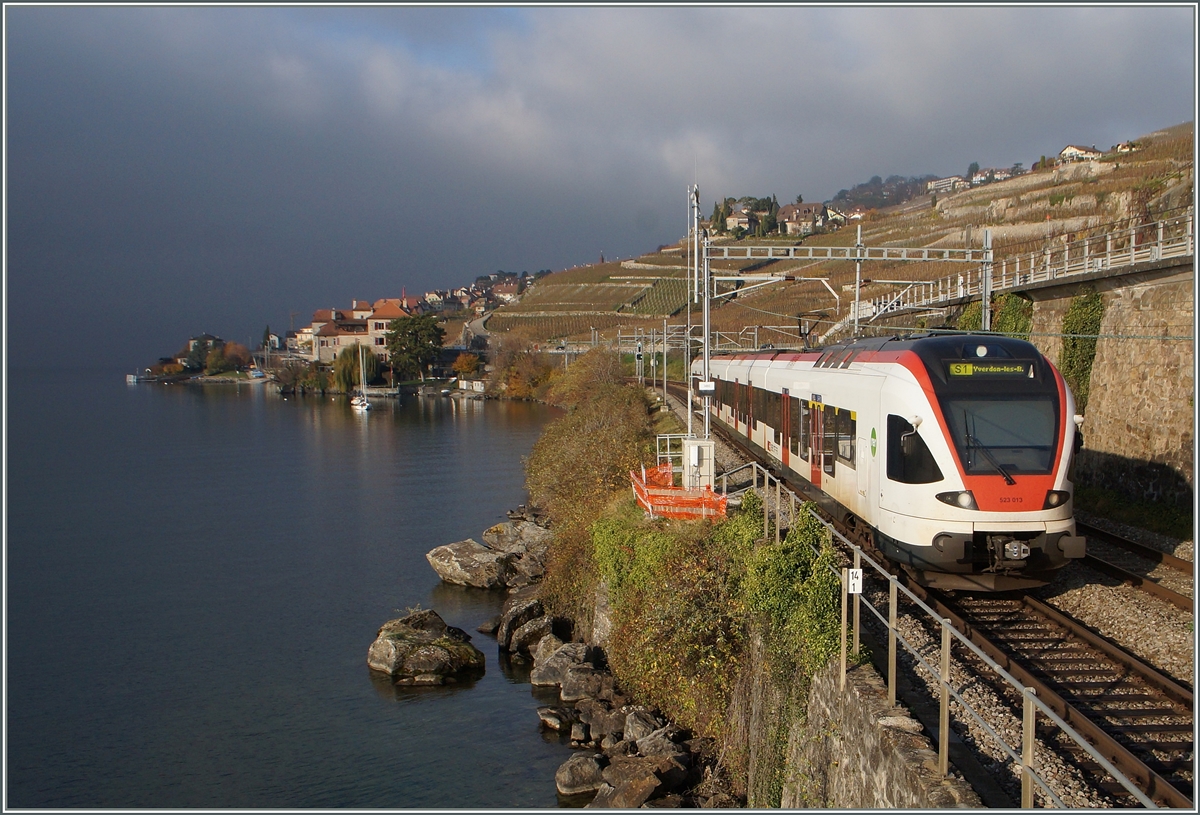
(1056, 498)
(962, 500)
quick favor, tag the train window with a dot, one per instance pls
(805, 429)
(794, 425)
(829, 442)
(995, 435)
(908, 458)
(846, 427)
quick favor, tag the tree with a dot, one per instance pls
(216, 363)
(466, 364)
(413, 343)
(345, 368)
(974, 168)
(266, 337)
(237, 356)
(799, 200)
(197, 355)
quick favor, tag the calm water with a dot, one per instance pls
(194, 576)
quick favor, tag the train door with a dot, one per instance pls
(816, 416)
(785, 426)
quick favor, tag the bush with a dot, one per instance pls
(1080, 324)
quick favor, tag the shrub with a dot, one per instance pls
(1080, 325)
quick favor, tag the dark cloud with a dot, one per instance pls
(175, 170)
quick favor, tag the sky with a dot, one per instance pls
(177, 170)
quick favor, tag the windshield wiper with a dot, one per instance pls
(972, 441)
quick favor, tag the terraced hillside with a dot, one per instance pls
(1024, 214)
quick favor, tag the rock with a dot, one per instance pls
(602, 721)
(526, 638)
(659, 743)
(666, 802)
(553, 671)
(633, 781)
(579, 732)
(603, 799)
(546, 647)
(490, 626)
(519, 536)
(601, 616)
(514, 616)
(581, 681)
(556, 718)
(579, 774)
(639, 723)
(468, 563)
(900, 723)
(422, 649)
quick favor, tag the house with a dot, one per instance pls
(332, 337)
(946, 184)
(1126, 147)
(743, 218)
(834, 217)
(507, 291)
(801, 219)
(1073, 152)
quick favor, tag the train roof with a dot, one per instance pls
(926, 345)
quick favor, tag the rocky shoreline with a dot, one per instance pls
(628, 755)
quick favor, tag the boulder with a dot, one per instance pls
(422, 649)
(581, 681)
(546, 647)
(518, 536)
(640, 722)
(490, 626)
(553, 670)
(661, 743)
(515, 615)
(469, 563)
(632, 780)
(525, 639)
(557, 718)
(580, 773)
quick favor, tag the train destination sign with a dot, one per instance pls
(997, 368)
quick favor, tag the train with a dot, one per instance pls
(950, 453)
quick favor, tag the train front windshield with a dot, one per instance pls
(1003, 436)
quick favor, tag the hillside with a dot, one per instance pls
(1023, 214)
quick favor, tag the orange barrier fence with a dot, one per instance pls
(655, 492)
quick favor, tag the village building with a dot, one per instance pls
(1073, 152)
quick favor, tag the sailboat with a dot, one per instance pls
(360, 402)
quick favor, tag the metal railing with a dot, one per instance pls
(1023, 754)
(1126, 245)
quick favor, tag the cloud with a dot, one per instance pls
(303, 156)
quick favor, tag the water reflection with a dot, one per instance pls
(387, 688)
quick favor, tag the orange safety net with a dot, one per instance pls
(655, 493)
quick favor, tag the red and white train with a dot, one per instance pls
(954, 450)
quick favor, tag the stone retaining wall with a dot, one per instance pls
(1138, 429)
(855, 751)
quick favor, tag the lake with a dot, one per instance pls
(195, 574)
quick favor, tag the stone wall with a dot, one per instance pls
(1138, 431)
(854, 751)
(809, 745)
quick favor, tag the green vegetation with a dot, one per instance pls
(1080, 326)
(345, 368)
(413, 344)
(1011, 315)
(681, 594)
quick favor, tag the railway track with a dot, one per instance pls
(1131, 562)
(1138, 718)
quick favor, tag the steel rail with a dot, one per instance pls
(1139, 549)
(1145, 584)
(1157, 787)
